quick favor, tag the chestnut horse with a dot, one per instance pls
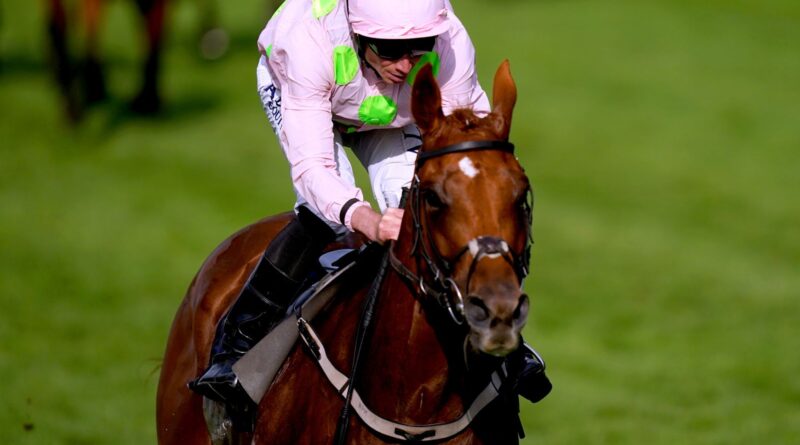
(82, 83)
(448, 310)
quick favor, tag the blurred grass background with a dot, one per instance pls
(663, 140)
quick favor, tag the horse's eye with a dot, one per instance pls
(522, 202)
(525, 205)
(432, 199)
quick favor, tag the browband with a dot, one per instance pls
(465, 146)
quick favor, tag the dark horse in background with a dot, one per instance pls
(81, 78)
(420, 367)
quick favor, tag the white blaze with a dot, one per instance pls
(468, 167)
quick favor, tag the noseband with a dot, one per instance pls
(443, 286)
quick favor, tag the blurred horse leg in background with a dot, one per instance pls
(80, 77)
(61, 62)
(92, 77)
(148, 100)
(79, 69)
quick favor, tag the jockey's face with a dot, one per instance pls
(391, 71)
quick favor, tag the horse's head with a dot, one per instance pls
(471, 209)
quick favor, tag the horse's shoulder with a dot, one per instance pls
(239, 252)
(224, 271)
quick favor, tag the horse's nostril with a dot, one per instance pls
(476, 309)
(522, 308)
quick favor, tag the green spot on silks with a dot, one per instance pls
(278, 11)
(377, 110)
(351, 130)
(321, 8)
(269, 51)
(429, 57)
(345, 64)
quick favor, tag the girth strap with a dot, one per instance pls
(385, 427)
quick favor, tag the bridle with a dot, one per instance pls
(444, 288)
(441, 285)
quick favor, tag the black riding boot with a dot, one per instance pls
(532, 382)
(262, 303)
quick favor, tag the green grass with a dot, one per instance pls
(663, 141)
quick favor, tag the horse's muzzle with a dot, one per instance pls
(495, 322)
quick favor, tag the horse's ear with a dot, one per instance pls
(426, 100)
(504, 96)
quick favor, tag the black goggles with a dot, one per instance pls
(397, 49)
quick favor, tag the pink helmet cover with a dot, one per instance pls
(399, 19)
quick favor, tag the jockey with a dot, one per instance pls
(331, 75)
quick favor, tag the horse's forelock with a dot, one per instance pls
(465, 119)
(462, 125)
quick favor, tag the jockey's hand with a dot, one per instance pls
(375, 226)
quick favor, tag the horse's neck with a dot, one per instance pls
(406, 374)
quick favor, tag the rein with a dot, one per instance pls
(361, 337)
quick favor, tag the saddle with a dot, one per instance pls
(257, 369)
